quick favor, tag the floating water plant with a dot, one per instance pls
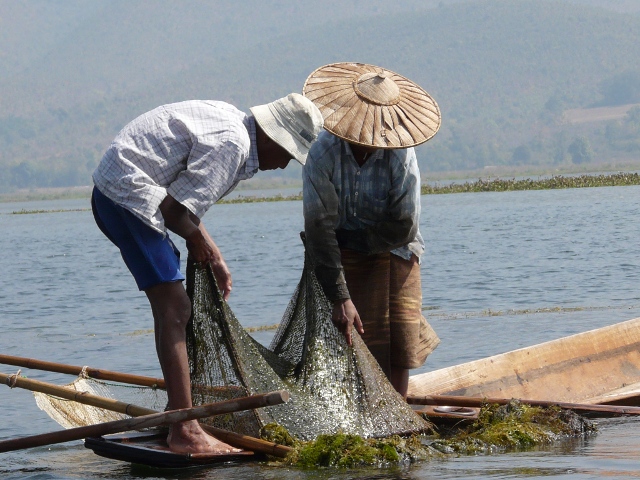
(352, 451)
(555, 182)
(514, 426)
(28, 212)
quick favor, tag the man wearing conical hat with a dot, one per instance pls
(162, 172)
(361, 196)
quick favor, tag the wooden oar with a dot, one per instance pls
(76, 370)
(146, 421)
(232, 438)
(582, 408)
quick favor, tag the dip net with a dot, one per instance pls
(70, 414)
(333, 388)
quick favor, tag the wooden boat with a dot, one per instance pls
(600, 366)
(150, 448)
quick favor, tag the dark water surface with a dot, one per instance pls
(502, 271)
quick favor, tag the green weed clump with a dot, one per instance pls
(349, 451)
(510, 427)
(278, 434)
(346, 451)
(514, 426)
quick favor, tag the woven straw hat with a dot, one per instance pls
(293, 122)
(371, 106)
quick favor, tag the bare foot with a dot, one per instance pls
(189, 437)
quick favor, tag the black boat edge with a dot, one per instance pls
(149, 448)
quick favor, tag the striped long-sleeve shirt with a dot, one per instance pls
(374, 208)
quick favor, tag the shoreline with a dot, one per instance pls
(497, 184)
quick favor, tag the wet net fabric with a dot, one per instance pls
(334, 388)
(70, 414)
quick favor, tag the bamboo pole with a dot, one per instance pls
(582, 408)
(232, 438)
(146, 421)
(101, 374)
(74, 395)
(76, 370)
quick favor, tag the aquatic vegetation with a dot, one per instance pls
(509, 312)
(262, 328)
(278, 434)
(27, 212)
(253, 199)
(554, 182)
(343, 451)
(351, 451)
(347, 451)
(514, 426)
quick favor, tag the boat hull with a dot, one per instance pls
(598, 366)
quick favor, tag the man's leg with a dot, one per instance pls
(153, 260)
(399, 378)
(171, 309)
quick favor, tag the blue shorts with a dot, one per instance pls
(151, 257)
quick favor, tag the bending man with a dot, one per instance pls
(162, 172)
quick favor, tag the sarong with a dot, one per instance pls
(387, 292)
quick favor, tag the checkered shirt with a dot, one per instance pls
(196, 151)
(378, 202)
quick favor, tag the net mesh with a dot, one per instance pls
(333, 388)
(69, 413)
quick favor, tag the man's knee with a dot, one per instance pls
(170, 303)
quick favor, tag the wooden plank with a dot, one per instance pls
(627, 395)
(578, 368)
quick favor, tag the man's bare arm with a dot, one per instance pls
(201, 246)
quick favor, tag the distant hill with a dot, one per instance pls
(504, 73)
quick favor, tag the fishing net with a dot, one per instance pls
(334, 388)
(69, 413)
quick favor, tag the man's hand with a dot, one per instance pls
(203, 250)
(201, 246)
(344, 317)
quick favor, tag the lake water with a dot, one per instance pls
(501, 271)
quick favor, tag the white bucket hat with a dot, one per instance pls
(293, 122)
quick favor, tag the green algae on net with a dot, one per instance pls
(350, 451)
(510, 427)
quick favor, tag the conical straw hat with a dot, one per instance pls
(371, 106)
